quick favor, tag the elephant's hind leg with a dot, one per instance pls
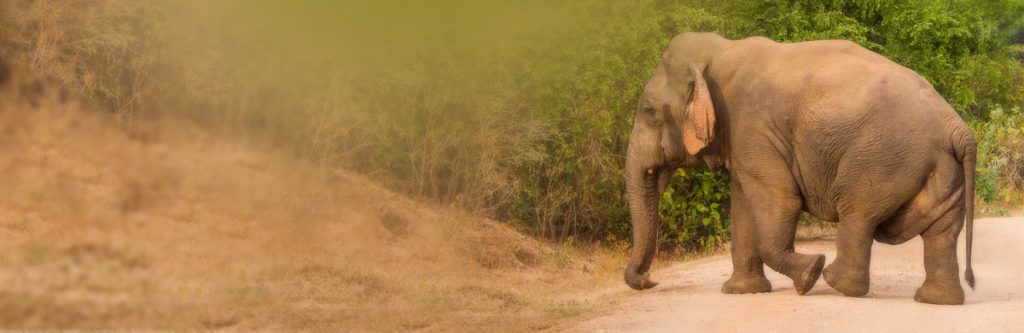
(942, 277)
(775, 213)
(747, 267)
(867, 192)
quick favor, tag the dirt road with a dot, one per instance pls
(688, 298)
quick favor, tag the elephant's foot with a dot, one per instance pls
(840, 278)
(746, 284)
(940, 293)
(809, 274)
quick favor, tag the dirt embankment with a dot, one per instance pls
(159, 225)
(688, 298)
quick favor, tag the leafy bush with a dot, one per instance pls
(520, 111)
(1001, 161)
(584, 80)
(694, 210)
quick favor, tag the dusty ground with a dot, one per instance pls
(689, 298)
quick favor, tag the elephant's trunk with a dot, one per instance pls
(642, 192)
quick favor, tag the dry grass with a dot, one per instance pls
(99, 51)
(159, 225)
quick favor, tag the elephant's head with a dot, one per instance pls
(674, 124)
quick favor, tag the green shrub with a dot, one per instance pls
(520, 111)
(693, 210)
(583, 80)
(1001, 160)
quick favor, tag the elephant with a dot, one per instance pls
(824, 127)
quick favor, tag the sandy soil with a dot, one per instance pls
(689, 298)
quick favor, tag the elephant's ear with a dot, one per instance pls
(698, 124)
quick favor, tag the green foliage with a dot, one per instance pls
(1000, 178)
(520, 110)
(583, 79)
(693, 210)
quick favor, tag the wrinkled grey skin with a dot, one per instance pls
(826, 127)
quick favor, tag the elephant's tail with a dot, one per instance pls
(966, 147)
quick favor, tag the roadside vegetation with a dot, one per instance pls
(518, 112)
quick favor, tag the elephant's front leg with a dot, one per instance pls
(775, 206)
(747, 267)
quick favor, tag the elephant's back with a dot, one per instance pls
(831, 86)
(841, 84)
(842, 108)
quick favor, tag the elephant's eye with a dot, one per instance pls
(648, 110)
